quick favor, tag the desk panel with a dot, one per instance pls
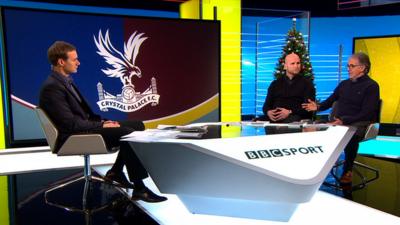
(381, 146)
(244, 176)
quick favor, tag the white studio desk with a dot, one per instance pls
(236, 170)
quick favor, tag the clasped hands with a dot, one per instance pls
(278, 114)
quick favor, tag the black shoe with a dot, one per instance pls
(118, 179)
(146, 195)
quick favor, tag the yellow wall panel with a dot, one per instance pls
(4, 216)
(384, 53)
(190, 9)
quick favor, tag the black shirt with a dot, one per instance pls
(357, 100)
(290, 94)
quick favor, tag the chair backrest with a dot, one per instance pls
(81, 144)
(372, 131)
(50, 131)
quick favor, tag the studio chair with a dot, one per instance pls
(83, 145)
(371, 132)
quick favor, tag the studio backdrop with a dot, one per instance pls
(157, 70)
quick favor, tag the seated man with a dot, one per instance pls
(286, 94)
(357, 102)
(71, 114)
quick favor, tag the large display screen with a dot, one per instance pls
(384, 52)
(159, 70)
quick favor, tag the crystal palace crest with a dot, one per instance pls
(123, 67)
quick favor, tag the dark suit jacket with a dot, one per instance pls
(68, 114)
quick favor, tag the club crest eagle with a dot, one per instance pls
(123, 65)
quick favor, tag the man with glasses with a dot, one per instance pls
(356, 104)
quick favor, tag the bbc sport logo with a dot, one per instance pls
(124, 68)
(271, 153)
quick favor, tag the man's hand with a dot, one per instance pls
(272, 114)
(310, 106)
(283, 113)
(337, 121)
(110, 124)
(278, 114)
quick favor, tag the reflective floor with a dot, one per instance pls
(105, 204)
(108, 206)
(382, 194)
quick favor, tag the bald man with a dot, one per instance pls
(287, 93)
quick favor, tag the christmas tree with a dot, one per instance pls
(295, 44)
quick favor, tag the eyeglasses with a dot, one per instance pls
(351, 66)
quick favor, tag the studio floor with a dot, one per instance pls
(109, 206)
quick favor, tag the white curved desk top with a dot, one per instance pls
(300, 157)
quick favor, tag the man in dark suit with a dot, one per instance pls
(357, 104)
(71, 114)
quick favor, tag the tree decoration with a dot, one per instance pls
(295, 44)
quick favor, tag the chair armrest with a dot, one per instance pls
(83, 144)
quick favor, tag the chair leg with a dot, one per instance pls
(60, 187)
(364, 180)
(88, 178)
(336, 185)
(87, 171)
(85, 193)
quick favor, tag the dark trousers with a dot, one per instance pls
(126, 155)
(351, 148)
(290, 119)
